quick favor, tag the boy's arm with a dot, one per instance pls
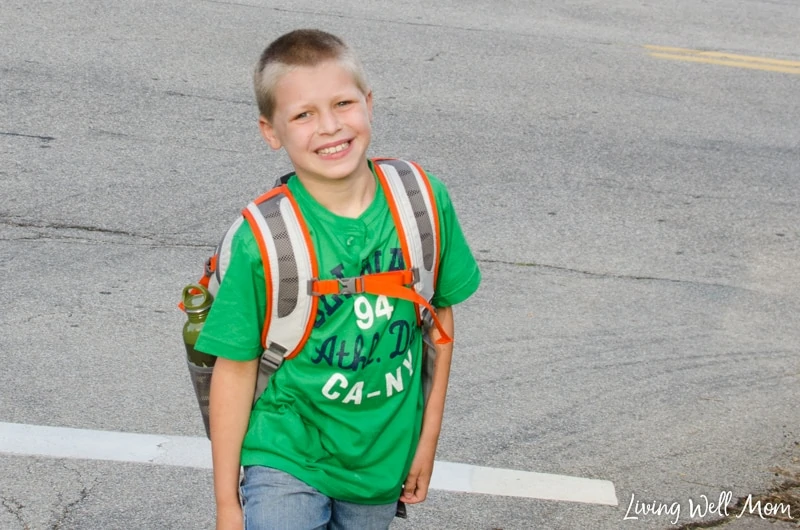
(230, 402)
(416, 485)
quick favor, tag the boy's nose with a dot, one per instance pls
(329, 123)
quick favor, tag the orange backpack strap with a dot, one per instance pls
(413, 206)
(394, 284)
(289, 261)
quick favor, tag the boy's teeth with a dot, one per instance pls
(331, 150)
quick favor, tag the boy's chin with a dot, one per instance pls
(334, 174)
(342, 168)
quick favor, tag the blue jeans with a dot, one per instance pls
(274, 500)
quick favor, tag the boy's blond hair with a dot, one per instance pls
(302, 47)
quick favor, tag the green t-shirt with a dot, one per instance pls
(345, 414)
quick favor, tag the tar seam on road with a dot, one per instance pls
(614, 276)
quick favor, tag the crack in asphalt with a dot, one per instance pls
(114, 134)
(610, 275)
(34, 136)
(58, 516)
(89, 230)
(69, 508)
(64, 226)
(351, 16)
(15, 507)
(209, 98)
(83, 240)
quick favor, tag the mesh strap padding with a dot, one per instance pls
(289, 262)
(417, 200)
(287, 266)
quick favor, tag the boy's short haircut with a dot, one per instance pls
(302, 47)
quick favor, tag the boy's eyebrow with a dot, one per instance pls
(295, 106)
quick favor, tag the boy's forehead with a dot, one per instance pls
(326, 79)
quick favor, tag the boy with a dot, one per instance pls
(315, 454)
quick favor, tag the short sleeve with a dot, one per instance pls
(459, 275)
(233, 327)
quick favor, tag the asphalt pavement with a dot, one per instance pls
(635, 213)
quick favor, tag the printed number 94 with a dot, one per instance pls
(366, 315)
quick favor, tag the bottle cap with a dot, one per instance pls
(196, 298)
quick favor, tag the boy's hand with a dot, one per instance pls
(230, 518)
(415, 488)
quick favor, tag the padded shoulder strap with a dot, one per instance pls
(410, 197)
(218, 263)
(289, 264)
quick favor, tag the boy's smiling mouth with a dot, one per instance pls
(330, 150)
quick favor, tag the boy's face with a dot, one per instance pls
(322, 119)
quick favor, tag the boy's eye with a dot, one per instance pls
(301, 116)
(343, 103)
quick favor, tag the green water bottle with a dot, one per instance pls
(196, 304)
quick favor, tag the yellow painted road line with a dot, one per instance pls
(722, 55)
(724, 59)
(737, 64)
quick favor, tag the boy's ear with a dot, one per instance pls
(369, 104)
(268, 132)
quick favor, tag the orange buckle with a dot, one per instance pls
(353, 285)
(414, 277)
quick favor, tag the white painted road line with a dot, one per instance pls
(65, 442)
(509, 482)
(186, 451)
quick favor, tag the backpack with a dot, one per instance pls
(291, 276)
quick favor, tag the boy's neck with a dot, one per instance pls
(347, 197)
